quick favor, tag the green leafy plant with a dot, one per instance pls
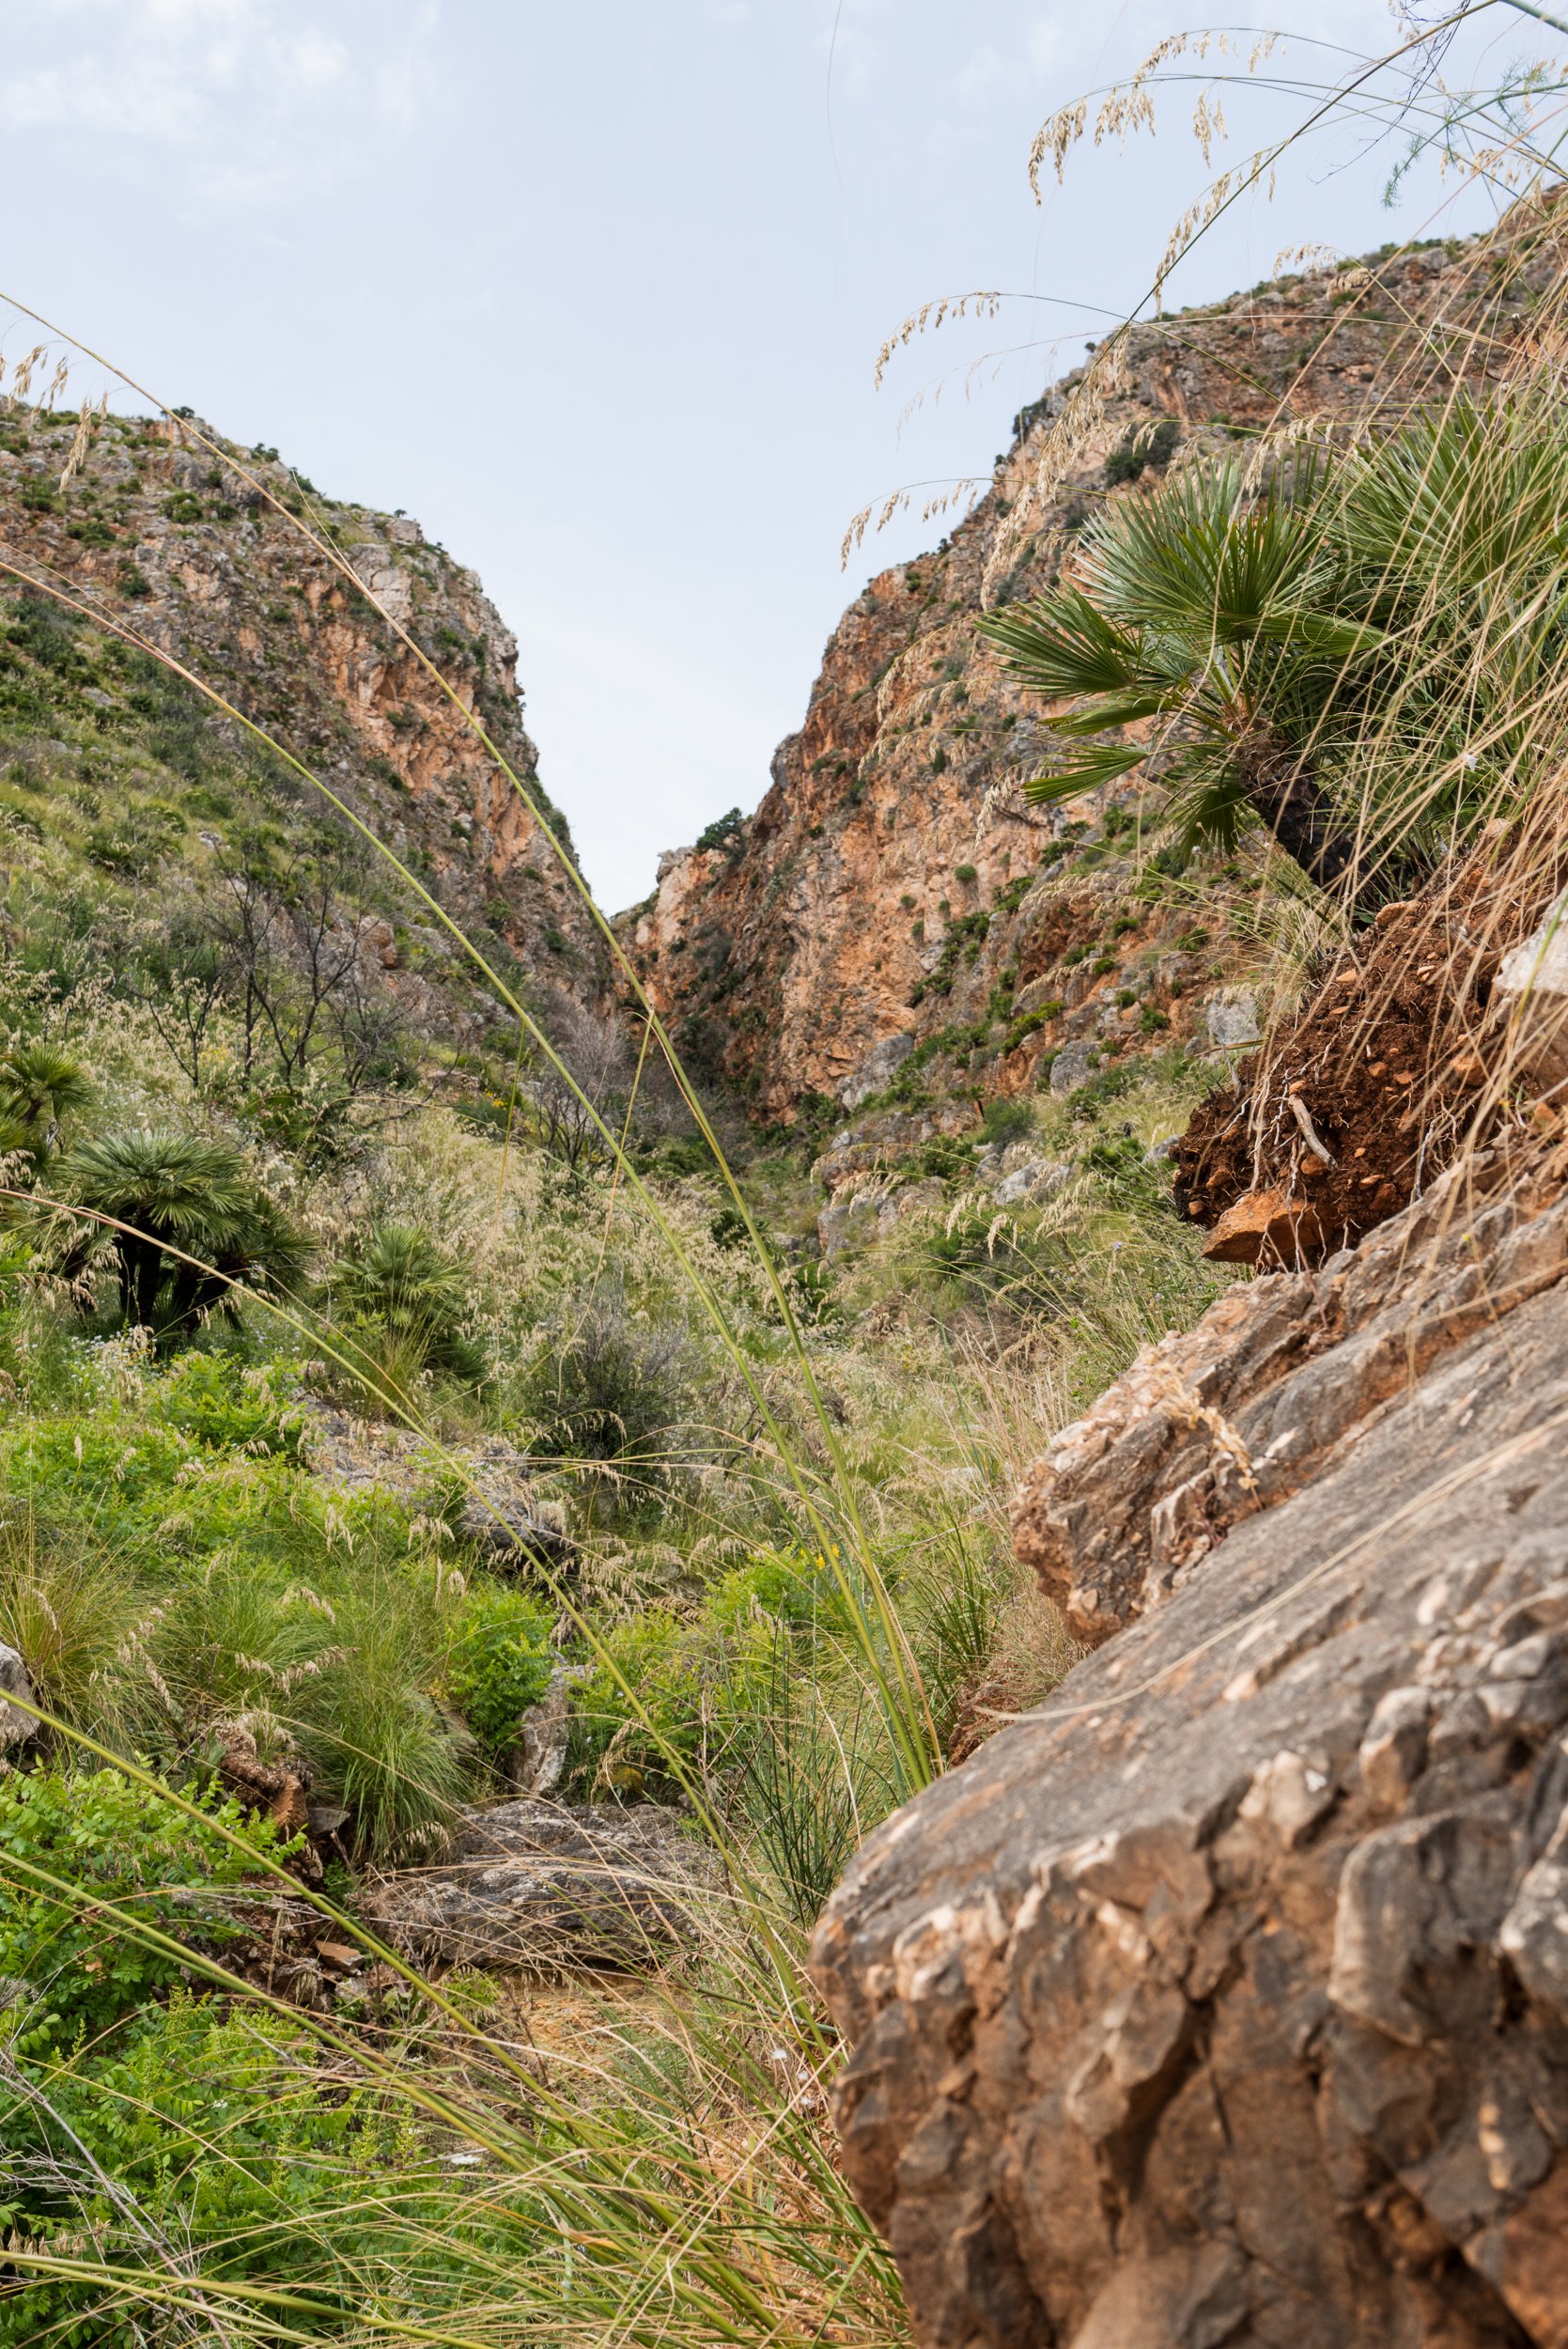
(501, 1662)
(69, 1845)
(1007, 1120)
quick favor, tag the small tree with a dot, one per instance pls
(182, 975)
(594, 1050)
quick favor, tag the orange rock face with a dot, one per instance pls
(173, 541)
(888, 884)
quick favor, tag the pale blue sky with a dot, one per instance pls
(596, 291)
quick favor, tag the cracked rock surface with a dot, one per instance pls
(1224, 1999)
(1232, 1416)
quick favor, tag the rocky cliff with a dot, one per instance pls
(893, 888)
(1224, 1999)
(164, 534)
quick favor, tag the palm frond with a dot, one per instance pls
(1104, 763)
(1111, 709)
(1198, 561)
(1062, 645)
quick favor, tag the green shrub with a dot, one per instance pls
(220, 2133)
(1152, 445)
(703, 1685)
(501, 1663)
(965, 937)
(119, 1843)
(728, 1229)
(944, 1156)
(606, 1387)
(1007, 1121)
(723, 831)
(215, 1398)
(1128, 1176)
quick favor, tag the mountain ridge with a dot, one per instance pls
(164, 529)
(887, 897)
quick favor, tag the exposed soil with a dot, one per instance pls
(1367, 1092)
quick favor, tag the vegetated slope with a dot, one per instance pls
(889, 885)
(158, 536)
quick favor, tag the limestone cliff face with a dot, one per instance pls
(889, 883)
(166, 538)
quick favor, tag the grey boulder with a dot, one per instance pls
(540, 1884)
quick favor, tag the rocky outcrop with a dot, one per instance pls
(174, 538)
(1231, 1418)
(502, 1512)
(18, 1723)
(889, 886)
(1224, 1999)
(532, 1883)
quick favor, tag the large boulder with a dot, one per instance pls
(1224, 1999)
(1240, 1412)
(532, 1883)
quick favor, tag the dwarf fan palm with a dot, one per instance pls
(1357, 660)
(39, 1086)
(1219, 615)
(173, 1196)
(399, 1284)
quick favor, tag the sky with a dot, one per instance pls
(596, 291)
